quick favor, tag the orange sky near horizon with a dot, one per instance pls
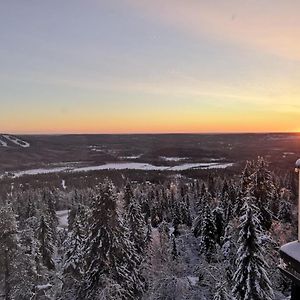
(162, 124)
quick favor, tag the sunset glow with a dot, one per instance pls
(138, 66)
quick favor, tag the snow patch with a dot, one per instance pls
(3, 144)
(166, 158)
(62, 216)
(43, 287)
(131, 157)
(193, 280)
(63, 184)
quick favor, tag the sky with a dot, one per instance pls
(140, 66)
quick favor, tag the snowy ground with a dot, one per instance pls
(125, 166)
(62, 216)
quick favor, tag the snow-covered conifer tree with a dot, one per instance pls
(218, 216)
(208, 234)
(45, 237)
(73, 256)
(136, 225)
(221, 292)
(251, 280)
(109, 255)
(8, 247)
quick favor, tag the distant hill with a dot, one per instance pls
(23, 152)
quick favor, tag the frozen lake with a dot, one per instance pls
(124, 166)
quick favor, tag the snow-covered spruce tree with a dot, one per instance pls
(185, 211)
(73, 256)
(49, 200)
(263, 189)
(31, 210)
(199, 202)
(72, 215)
(208, 235)
(203, 190)
(23, 276)
(45, 237)
(211, 185)
(285, 211)
(246, 177)
(225, 188)
(285, 207)
(206, 199)
(177, 220)
(229, 249)
(30, 245)
(148, 237)
(156, 215)
(136, 225)
(174, 251)
(17, 260)
(8, 248)
(164, 237)
(251, 280)
(197, 226)
(110, 257)
(218, 216)
(227, 206)
(221, 292)
(128, 195)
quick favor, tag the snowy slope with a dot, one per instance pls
(16, 141)
(3, 143)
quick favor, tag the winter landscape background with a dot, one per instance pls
(147, 149)
(146, 216)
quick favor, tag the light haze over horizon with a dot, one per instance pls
(138, 66)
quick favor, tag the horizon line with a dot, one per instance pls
(154, 133)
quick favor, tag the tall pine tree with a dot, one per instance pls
(110, 258)
(251, 280)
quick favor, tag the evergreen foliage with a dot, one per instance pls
(251, 278)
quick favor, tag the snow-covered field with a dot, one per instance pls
(125, 166)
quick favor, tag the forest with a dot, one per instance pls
(181, 238)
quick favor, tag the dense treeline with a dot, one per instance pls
(182, 239)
